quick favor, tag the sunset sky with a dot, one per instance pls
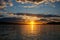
(44, 7)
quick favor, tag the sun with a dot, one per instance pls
(30, 29)
(32, 22)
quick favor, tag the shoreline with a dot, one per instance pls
(11, 23)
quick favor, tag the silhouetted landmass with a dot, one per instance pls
(11, 23)
(57, 23)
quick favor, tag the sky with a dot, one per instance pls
(32, 6)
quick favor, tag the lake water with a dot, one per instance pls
(29, 32)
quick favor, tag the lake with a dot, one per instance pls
(29, 32)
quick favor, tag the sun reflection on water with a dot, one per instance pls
(30, 30)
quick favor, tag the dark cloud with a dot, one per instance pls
(30, 0)
(6, 0)
(35, 0)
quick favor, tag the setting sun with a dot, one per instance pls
(30, 29)
(32, 22)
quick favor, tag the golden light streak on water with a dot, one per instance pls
(30, 30)
(32, 26)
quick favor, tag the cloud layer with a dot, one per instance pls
(31, 18)
(3, 3)
(36, 2)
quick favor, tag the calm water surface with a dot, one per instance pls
(29, 32)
